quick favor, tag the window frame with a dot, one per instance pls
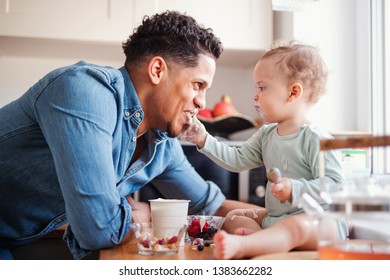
(380, 79)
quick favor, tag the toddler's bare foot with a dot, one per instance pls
(227, 246)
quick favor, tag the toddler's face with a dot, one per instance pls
(272, 90)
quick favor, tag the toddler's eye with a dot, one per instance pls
(259, 89)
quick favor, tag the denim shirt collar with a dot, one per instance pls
(132, 106)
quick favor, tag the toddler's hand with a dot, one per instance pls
(282, 190)
(196, 133)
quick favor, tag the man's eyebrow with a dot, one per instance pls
(203, 82)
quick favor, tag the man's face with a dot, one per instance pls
(184, 92)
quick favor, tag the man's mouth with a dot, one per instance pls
(189, 119)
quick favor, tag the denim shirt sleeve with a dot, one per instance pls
(77, 113)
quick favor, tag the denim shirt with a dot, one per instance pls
(65, 151)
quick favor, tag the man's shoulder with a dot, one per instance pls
(89, 69)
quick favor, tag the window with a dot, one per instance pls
(380, 80)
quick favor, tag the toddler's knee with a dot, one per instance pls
(303, 227)
(236, 212)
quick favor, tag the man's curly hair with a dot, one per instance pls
(173, 36)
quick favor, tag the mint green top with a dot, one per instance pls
(295, 155)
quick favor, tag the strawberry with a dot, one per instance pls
(193, 231)
(160, 241)
(173, 239)
(145, 243)
(195, 223)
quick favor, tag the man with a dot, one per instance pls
(79, 142)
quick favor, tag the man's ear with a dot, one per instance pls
(296, 91)
(156, 68)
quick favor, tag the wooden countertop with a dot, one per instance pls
(129, 251)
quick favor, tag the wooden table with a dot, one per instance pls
(129, 251)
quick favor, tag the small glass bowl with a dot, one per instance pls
(203, 227)
(149, 244)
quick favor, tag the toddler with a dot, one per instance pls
(289, 80)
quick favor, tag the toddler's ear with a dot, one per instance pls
(296, 91)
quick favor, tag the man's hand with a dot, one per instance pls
(141, 211)
(140, 214)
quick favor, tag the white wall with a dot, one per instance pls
(331, 26)
(340, 31)
(237, 83)
(18, 73)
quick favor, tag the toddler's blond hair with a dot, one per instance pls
(301, 62)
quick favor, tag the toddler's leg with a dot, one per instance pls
(244, 221)
(298, 231)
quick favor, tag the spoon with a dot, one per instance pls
(274, 175)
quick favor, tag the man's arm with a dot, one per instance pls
(140, 214)
(78, 123)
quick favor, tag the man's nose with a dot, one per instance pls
(200, 101)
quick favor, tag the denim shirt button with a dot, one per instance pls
(137, 115)
(134, 139)
(127, 113)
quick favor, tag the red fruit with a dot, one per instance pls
(160, 241)
(193, 231)
(145, 243)
(173, 239)
(224, 107)
(206, 113)
(206, 227)
(195, 223)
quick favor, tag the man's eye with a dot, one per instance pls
(198, 85)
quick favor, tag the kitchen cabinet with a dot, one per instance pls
(86, 20)
(241, 24)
